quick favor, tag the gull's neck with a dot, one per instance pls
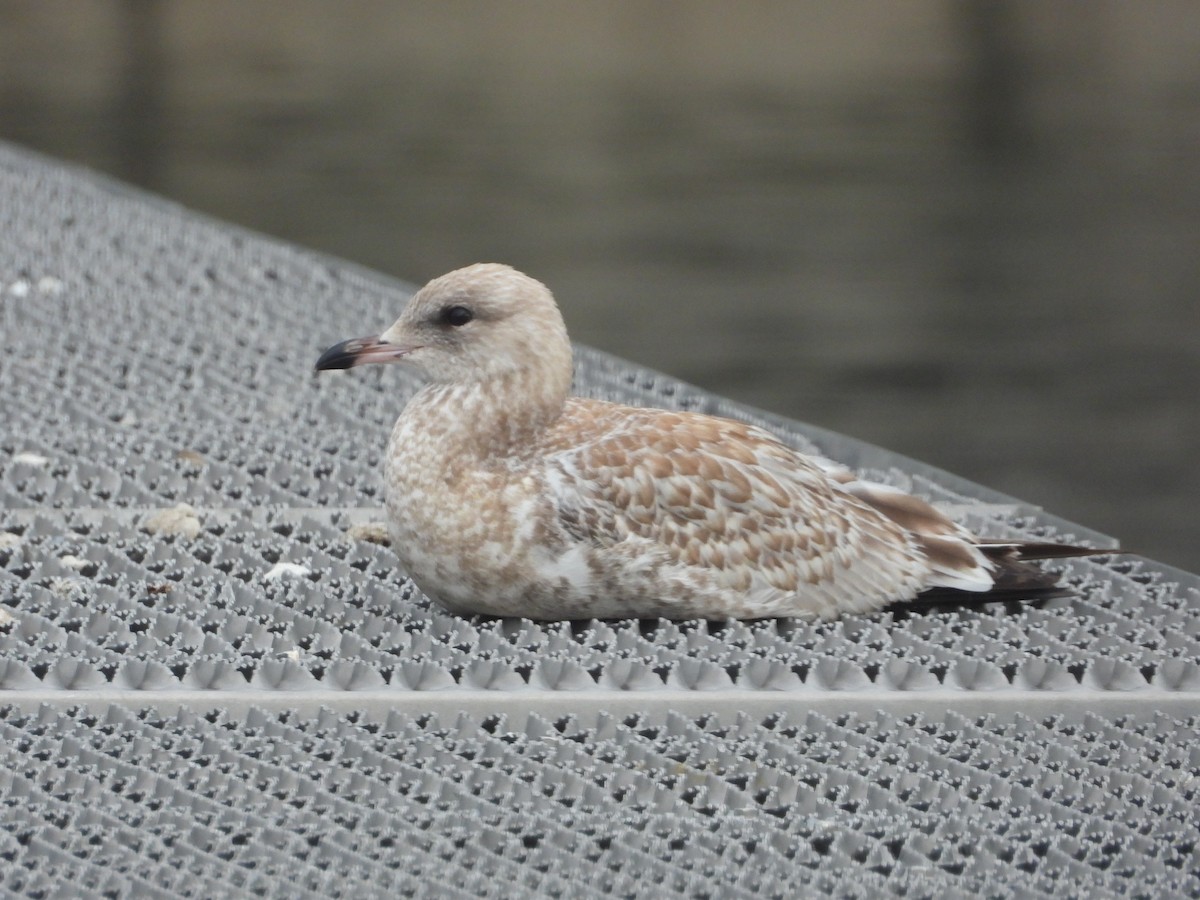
(491, 419)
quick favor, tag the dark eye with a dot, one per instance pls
(456, 316)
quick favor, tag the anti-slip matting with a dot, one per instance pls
(213, 683)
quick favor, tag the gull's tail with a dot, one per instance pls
(963, 569)
(1013, 576)
(1020, 551)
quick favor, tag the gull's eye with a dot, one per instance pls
(455, 316)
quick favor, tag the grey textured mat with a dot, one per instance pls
(260, 702)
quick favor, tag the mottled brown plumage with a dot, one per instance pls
(508, 497)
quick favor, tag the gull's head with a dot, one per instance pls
(471, 325)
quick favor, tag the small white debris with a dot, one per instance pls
(74, 562)
(371, 532)
(191, 457)
(50, 285)
(26, 458)
(294, 654)
(66, 587)
(19, 288)
(9, 541)
(6, 618)
(180, 519)
(287, 570)
(128, 420)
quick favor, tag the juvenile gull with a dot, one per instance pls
(506, 496)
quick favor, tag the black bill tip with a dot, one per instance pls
(342, 356)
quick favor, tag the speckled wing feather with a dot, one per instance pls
(728, 505)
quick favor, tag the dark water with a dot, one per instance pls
(969, 232)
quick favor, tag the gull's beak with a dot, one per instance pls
(360, 352)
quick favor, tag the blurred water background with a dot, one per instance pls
(968, 231)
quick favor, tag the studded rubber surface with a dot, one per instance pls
(213, 683)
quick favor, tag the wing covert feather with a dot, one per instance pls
(724, 496)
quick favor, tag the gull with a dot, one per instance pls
(507, 496)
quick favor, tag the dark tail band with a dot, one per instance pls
(1016, 579)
